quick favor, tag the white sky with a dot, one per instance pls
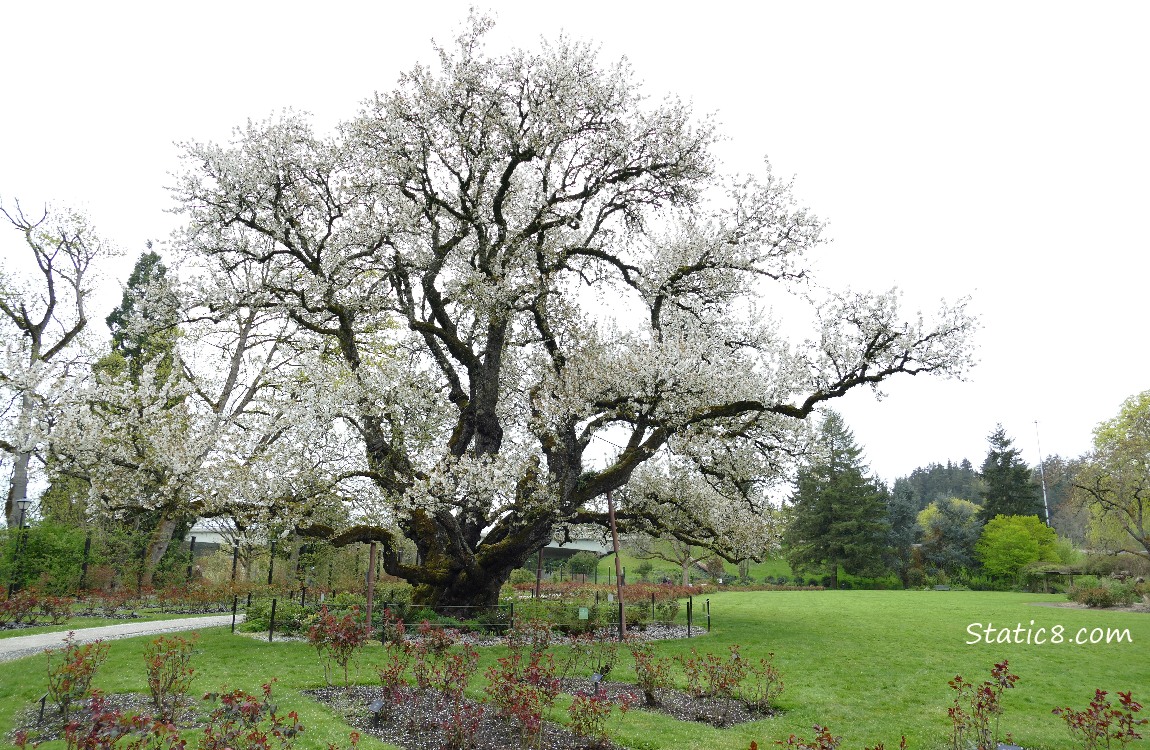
(995, 149)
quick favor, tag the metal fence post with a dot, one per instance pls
(708, 615)
(690, 613)
(272, 621)
(235, 601)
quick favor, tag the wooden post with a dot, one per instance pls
(618, 567)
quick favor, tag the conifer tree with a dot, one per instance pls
(838, 514)
(1008, 487)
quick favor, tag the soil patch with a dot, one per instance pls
(718, 712)
(417, 724)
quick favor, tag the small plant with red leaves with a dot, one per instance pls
(763, 685)
(169, 673)
(242, 721)
(338, 638)
(651, 673)
(591, 710)
(1102, 721)
(70, 678)
(985, 705)
(823, 740)
(523, 690)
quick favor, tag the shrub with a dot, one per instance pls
(1101, 721)
(70, 679)
(1103, 594)
(247, 722)
(22, 607)
(589, 712)
(291, 618)
(169, 673)
(338, 638)
(104, 728)
(651, 673)
(823, 740)
(985, 704)
(523, 690)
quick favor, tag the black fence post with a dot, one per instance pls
(84, 564)
(272, 621)
(652, 606)
(271, 561)
(235, 603)
(690, 612)
(191, 558)
(621, 632)
(708, 615)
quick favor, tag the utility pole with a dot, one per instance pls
(1042, 473)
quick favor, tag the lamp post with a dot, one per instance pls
(23, 505)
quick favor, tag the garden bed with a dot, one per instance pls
(416, 724)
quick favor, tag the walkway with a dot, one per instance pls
(27, 645)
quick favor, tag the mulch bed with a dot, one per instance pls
(415, 724)
(718, 712)
(51, 725)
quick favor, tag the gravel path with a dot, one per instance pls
(27, 645)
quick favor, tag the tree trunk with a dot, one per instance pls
(157, 546)
(687, 572)
(17, 489)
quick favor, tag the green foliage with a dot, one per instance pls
(291, 617)
(1102, 594)
(1009, 543)
(838, 515)
(582, 563)
(937, 482)
(1115, 483)
(950, 529)
(1008, 488)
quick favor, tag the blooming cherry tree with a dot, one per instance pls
(511, 261)
(43, 315)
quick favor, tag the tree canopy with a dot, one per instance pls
(1009, 543)
(518, 283)
(837, 514)
(1115, 481)
(1008, 487)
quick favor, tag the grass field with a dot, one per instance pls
(871, 665)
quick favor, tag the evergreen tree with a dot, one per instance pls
(838, 514)
(144, 325)
(902, 512)
(1008, 488)
(950, 530)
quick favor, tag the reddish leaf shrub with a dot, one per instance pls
(242, 721)
(985, 705)
(339, 638)
(169, 673)
(651, 673)
(70, 678)
(22, 608)
(823, 740)
(589, 712)
(1102, 721)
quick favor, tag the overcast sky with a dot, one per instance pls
(996, 150)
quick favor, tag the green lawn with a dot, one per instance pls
(871, 665)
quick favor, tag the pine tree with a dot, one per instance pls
(1008, 488)
(838, 515)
